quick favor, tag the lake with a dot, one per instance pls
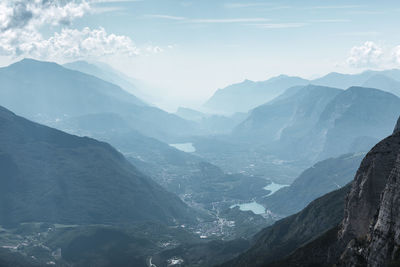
(273, 187)
(253, 206)
(185, 147)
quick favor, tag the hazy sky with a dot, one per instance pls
(190, 48)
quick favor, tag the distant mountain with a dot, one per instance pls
(354, 113)
(246, 95)
(219, 124)
(387, 80)
(43, 80)
(280, 139)
(47, 92)
(320, 179)
(51, 176)
(109, 74)
(289, 116)
(190, 114)
(212, 124)
(384, 83)
(320, 122)
(343, 81)
(392, 73)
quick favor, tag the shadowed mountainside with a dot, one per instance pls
(51, 176)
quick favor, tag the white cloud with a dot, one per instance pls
(153, 49)
(20, 32)
(35, 13)
(62, 14)
(66, 45)
(396, 55)
(367, 55)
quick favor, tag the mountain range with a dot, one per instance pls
(320, 122)
(212, 124)
(306, 124)
(107, 73)
(69, 198)
(47, 92)
(291, 114)
(131, 128)
(244, 96)
(187, 175)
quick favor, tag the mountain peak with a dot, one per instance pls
(34, 64)
(32, 61)
(333, 74)
(245, 81)
(281, 76)
(284, 77)
(397, 128)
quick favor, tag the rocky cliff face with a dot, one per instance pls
(371, 179)
(371, 224)
(385, 229)
(372, 214)
(397, 128)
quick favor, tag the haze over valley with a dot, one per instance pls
(199, 133)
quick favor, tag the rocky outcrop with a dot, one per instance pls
(385, 230)
(371, 224)
(397, 128)
(371, 179)
(372, 214)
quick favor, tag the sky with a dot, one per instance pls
(186, 49)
